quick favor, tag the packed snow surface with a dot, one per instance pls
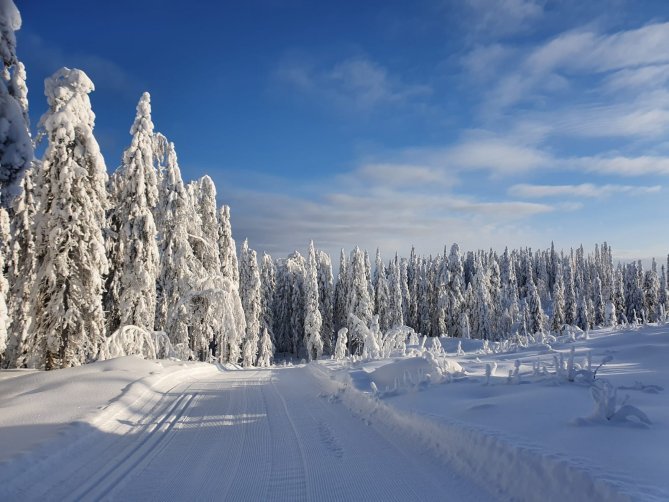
(425, 424)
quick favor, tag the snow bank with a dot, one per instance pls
(38, 406)
(522, 435)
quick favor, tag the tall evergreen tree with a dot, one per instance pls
(68, 320)
(226, 246)
(359, 301)
(381, 293)
(267, 292)
(135, 265)
(249, 278)
(312, 315)
(326, 295)
(4, 285)
(16, 150)
(21, 274)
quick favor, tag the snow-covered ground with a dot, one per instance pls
(426, 426)
(202, 432)
(535, 432)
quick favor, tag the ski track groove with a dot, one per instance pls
(47, 477)
(113, 478)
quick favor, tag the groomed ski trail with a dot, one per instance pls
(269, 434)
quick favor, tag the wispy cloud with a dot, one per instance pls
(358, 83)
(625, 166)
(583, 190)
(503, 17)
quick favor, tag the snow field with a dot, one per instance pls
(526, 437)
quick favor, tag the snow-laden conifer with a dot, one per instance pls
(16, 150)
(249, 278)
(267, 292)
(68, 320)
(381, 293)
(4, 285)
(395, 317)
(558, 317)
(136, 261)
(226, 246)
(312, 315)
(341, 293)
(359, 301)
(326, 295)
(21, 273)
(177, 263)
(266, 350)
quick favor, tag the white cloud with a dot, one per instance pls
(404, 175)
(504, 17)
(584, 190)
(548, 68)
(357, 83)
(497, 155)
(623, 166)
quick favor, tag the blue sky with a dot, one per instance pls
(386, 123)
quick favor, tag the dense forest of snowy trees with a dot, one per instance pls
(96, 266)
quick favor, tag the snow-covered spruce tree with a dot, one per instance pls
(381, 293)
(226, 246)
(456, 290)
(326, 301)
(177, 277)
(557, 318)
(583, 314)
(135, 265)
(205, 245)
(341, 294)
(267, 292)
(249, 281)
(266, 350)
(495, 288)
(481, 313)
(4, 285)
(16, 150)
(599, 307)
(395, 294)
(536, 320)
(312, 315)
(570, 302)
(406, 295)
(68, 321)
(413, 278)
(360, 304)
(21, 273)
(651, 287)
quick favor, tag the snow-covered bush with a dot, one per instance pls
(340, 347)
(133, 340)
(608, 410)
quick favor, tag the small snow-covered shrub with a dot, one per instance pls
(340, 347)
(132, 340)
(607, 409)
